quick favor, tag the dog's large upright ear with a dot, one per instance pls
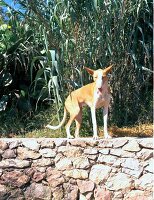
(107, 70)
(90, 71)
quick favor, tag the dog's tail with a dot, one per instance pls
(61, 123)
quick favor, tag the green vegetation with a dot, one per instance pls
(45, 44)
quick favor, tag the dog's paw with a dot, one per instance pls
(107, 136)
(95, 137)
(70, 137)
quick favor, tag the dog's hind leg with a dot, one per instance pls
(67, 127)
(75, 114)
(74, 109)
(78, 120)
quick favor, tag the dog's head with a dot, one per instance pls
(99, 75)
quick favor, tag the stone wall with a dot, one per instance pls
(57, 169)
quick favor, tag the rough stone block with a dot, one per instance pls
(132, 146)
(131, 163)
(150, 166)
(58, 193)
(25, 153)
(81, 163)
(147, 143)
(116, 152)
(8, 163)
(90, 151)
(105, 143)
(38, 176)
(70, 151)
(4, 192)
(46, 143)
(85, 186)
(64, 164)
(9, 153)
(31, 144)
(101, 193)
(138, 195)
(145, 182)
(120, 142)
(78, 142)
(43, 162)
(15, 178)
(38, 191)
(76, 173)
(99, 173)
(47, 153)
(14, 144)
(104, 151)
(134, 173)
(119, 182)
(108, 159)
(72, 192)
(60, 142)
(3, 145)
(145, 154)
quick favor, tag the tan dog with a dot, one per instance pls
(95, 95)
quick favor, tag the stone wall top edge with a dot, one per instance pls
(77, 139)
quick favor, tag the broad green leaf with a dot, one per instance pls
(23, 93)
(95, 4)
(32, 66)
(53, 56)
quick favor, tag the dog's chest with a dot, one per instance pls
(100, 98)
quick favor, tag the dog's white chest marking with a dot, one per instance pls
(101, 97)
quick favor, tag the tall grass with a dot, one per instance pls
(65, 35)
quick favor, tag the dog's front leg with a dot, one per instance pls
(105, 116)
(93, 115)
